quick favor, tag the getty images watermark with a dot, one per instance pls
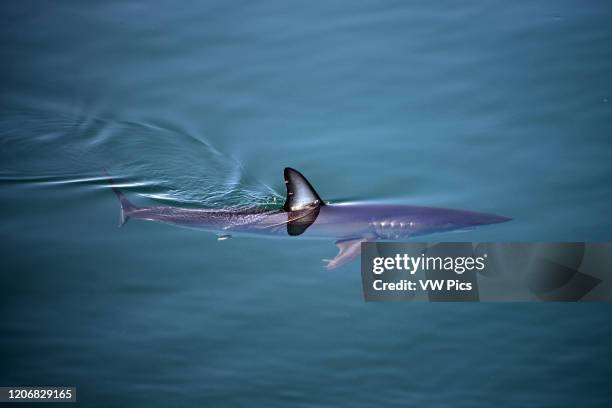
(411, 264)
(461, 271)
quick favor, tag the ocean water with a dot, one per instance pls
(502, 107)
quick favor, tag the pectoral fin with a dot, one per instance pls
(349, 250)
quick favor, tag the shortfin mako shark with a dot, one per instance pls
(305, 214)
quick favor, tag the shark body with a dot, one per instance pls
(304, 214)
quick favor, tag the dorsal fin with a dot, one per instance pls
(299, 221)
(300, 194)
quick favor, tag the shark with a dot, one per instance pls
(305, 215)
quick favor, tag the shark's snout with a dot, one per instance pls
(499, 219)
(486, 219)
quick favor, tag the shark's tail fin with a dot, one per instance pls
(125, 205)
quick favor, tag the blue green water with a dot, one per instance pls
(502, 107)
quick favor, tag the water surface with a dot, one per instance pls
(486, 106)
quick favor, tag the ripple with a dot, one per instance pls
(156, 160)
